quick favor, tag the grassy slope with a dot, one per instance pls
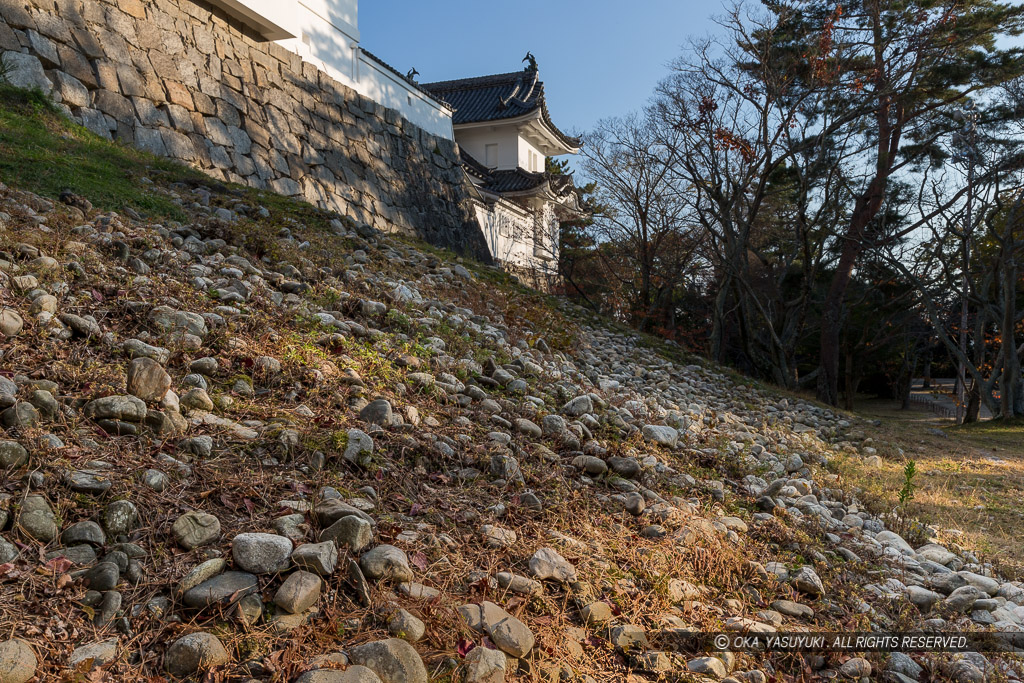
(41, 152)
(970, 481)
(959, 488)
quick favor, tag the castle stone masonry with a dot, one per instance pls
(186, 80)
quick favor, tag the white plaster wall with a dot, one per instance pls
(343, 14)
(510, 235)
(383, 86)
(524, 155)
(474, 141)
(326, 33)
(273, 18)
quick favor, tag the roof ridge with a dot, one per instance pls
(473, 82)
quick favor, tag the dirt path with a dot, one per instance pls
(970, 481)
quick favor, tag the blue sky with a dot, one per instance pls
(597, 59)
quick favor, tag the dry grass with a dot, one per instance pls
(970, 482)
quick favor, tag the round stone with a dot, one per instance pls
(261, 553)
(17, 661)
(194, 652)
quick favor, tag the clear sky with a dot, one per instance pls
(597, 58)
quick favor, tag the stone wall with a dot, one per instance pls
(179, 79)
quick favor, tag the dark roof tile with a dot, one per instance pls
(497, 97)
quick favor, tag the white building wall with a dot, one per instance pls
(326, 33)
(518, 237)
(475, 141)
(530, 158)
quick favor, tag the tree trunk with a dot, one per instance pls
(850, 384)
(832, 324)
(1009, 381)
(718, 323)
(973, 403)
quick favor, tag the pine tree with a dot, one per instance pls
(890, 72)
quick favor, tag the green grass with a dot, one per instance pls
(46, 153)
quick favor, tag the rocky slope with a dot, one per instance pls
(262, 444)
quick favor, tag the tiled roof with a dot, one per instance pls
(497, 97)
(516, 180)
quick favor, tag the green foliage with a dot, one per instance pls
(5, 68)
(44, 152)
(906, 493)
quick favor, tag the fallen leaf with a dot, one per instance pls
(465, 647)
(419, 560)
(59, 565)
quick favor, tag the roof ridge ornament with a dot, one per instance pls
(532, 66)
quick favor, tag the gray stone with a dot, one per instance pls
(352, 532)
(580, 405)
(590, 464)
(100, 653)
(962, 599)
(793, 609)
(148, 380)
(8, 551)
(856, 668)
(17, 661)
(11, 322)
(81, 326)
(923, 598)
(178, 323)
(712, 666)
(406, 626)
(202, 572)
(37, 519)
(83, 532)
(806, 580)
(155, 479)
(127, 408)
(628, 468)
(661, 434)
(547, 565)
(528, 428)
(92, 482)
(321, 558)
(507, 632)
(597, 614)
(628, 638)
(393, 660)
(377, 412)
(120, 517)
(359, 449)
(353, 674)
(195, 528)
(519, 584)
(102, 577)
(26, 71)
(12, 454)
(136, 348)
(498, 537)
(261, 553)
(298, 592)
(21, 414)
(484, 665)
(386, 563)
(634, 503)
(221, 590)
(901, 663)
(193, 653)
